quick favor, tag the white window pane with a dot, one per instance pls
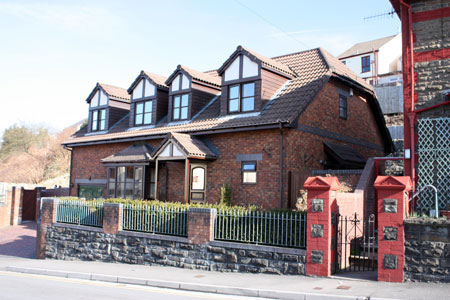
(166, 151)
(137, 92)
(177, 151)
(184, 100)
(149, 89)
(176, 113)
(184, 113)
(103, 99)
(249, 177)
(248, 104)
(102, 124)
(234, 105)
(248, 166)
(103, 114)
(148, 106)
(94, 125)
(250, 68)
(234, 92)
(95, 115)
(176, 101)
(185, 83)
(232, 72)
(198, 179)
(138, 119)
(139, 108)
(148, 118)
(94, 100)
(176, 83)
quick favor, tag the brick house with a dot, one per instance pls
(260, 124)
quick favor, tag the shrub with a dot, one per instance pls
(225, 195)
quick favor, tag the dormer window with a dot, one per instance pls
(180, 107)
(241, 67)
(144, 110)
(241, 98)
(144, 89)
(99, 119)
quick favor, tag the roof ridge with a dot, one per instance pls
(110, 85)
(294, 53)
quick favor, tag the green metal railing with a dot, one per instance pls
(155, 219)
(284, 229)
(80, 212)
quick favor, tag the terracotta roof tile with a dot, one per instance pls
(158, 79)
(134, 153)
(114, 92)
(193, 146)
(208, 77)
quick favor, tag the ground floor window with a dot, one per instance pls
(249, 172)
(126, 182)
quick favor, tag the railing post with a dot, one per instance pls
(320, 232)
(392, 208)
(112, 217)
(201, 225)
(48, 217)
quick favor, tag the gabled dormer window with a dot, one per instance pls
(143, 115)
(241, 67)
(99, 99)
(144, 89)
(180, 107)
(99, 120)
(143, 108)
(241, 97)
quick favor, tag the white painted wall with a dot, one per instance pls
(389, 56)
(354, 63)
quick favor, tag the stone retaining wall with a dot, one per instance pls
(72, 242)
(427, 250)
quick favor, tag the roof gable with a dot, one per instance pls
(134, 154)
(113, 92)
(188, 146)
(208, 78)
(156, 79)
(265, 62)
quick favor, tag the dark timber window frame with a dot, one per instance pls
(116, 181)
(245, 169)
(144, 112)
(240, 97)
(365, 64)
(180, 107)
(343, 106)
(98, 121)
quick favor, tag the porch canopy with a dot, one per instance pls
(136, 153)
(181, 146)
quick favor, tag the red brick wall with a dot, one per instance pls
(86, 161)
(5, 211)
(175, 180)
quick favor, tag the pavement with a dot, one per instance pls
(243, 284)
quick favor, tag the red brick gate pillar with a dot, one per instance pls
(322, 208)
(48, 217)
(112, 217)
(392, 208)
(201, 225)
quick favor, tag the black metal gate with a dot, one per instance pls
(356, 244)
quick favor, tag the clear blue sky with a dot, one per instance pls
(53, 52)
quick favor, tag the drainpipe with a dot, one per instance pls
(411, 114)
(70, 169)
(280, 123)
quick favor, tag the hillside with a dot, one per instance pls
(33, 156)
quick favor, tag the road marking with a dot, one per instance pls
(125, 286)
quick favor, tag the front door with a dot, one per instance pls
(197, 186)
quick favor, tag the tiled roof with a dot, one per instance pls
(192, 146)
(134, 153)
(365, 47)
(208, 77)
(115, 92)
(314, 68)
(157, 79)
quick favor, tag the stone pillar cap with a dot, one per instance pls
(393, 183)
(322, 183)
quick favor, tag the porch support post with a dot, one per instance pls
(156, 179)
(321, 228)
(186, 180)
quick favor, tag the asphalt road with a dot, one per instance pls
(15, 286)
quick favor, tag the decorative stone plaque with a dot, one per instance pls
(316, 256)
(390, 261)
(317, 205)
(390, 205)
(316, 230)
(390, 233)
